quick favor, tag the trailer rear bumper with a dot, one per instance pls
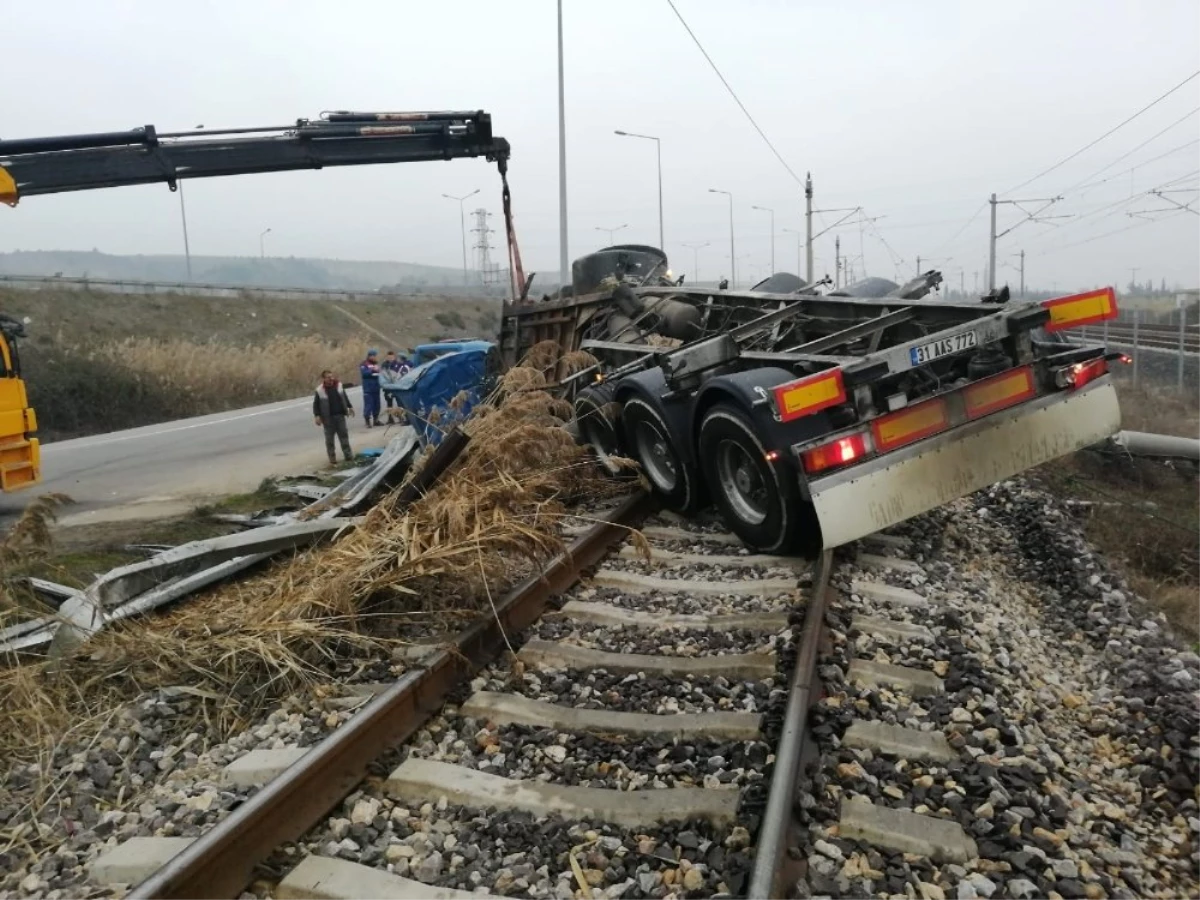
(867, 498)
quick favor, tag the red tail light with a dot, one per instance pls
(1081, 373)
(835, 453)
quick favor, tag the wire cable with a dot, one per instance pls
(1087, 187)
(966, 225)
(733, 94)
(1178, 121)
(1106, 134)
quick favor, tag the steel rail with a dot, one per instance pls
(221, 862)
(773, 833)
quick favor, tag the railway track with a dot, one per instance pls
(1157, 337)
(648, 738)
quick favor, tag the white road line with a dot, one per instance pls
(149, 434)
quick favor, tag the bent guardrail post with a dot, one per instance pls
(388, 470)
(185, 568)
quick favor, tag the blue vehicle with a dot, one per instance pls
(442, 371)
(426, 352)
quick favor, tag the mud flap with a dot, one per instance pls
(890, 489)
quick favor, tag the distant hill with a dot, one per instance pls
(249, 271)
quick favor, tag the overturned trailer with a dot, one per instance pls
(811, 420)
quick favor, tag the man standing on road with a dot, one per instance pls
(331, 406)
(390, 373)
(369, 369)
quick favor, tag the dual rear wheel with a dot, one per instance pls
(756, 495)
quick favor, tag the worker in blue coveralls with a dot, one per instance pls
(369, 369)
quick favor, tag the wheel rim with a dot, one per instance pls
(656, 456)
(742, 483)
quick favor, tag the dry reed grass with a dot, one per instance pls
(489, 522)
(1158, 409)
(198, 375)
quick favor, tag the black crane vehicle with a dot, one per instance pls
(810, 420)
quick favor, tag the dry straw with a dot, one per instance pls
(403, 574)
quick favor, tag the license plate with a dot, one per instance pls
(946, 346)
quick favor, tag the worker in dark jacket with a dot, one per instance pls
(369, 369)
(331, 406)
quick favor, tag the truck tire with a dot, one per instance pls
(597, 427)
(675, 481)
(758, 499)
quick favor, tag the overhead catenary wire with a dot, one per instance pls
(1130, 153)
(1110, 132)
(733, 94)
(1087, 187)
(1097, 237)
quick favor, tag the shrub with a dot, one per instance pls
(140, 381)
(451, 319)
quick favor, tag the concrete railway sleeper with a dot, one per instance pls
(649, 739)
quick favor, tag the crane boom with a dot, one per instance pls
(83, 162)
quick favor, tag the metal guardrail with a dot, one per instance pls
(1175, 337)
(204, 289)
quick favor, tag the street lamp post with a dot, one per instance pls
(772, 212)
(799, 247)
(695, 248)
(462, 219)
(658, 145)
(612, 231)
(262, 246)
(564, 270)
(732, 253)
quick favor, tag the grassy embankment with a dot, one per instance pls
(1144, 515)
(97, 362)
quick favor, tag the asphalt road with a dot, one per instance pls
(166, 469)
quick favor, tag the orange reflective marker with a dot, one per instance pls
(1081, 309)
(908, 425)
(807, 395)
(1006, 389)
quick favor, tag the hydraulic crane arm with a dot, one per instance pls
(143, 156)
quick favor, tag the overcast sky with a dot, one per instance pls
(915, 111)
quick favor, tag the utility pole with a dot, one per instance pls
(918, 265)
(732, 254)
(992, 248)
(837, 261)
(976, 284)
(772, 212)
(564, 271)
(1022, 274)
(962, 282)
(183, 215)
(695, 248)
(1133, 277)
(808, 194)
(1029, 217)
